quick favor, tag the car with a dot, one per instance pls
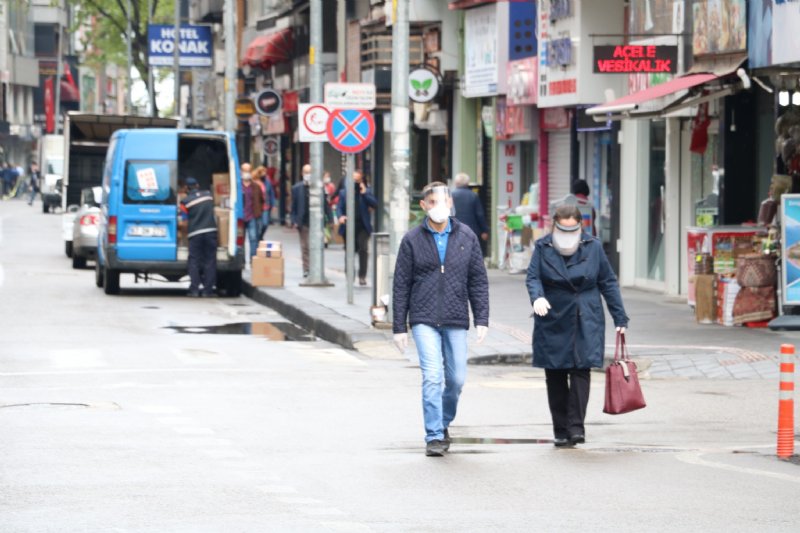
(84, 233)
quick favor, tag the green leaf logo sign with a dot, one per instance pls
(416, 84)
(423, 85)
(427, 83)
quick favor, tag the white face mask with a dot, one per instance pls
(306, 177)
(566, 242)
(439, 213)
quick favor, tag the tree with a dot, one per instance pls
(104, 25)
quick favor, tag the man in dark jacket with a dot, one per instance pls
(439, 274)
(364, 201)
(198, 208)
(468, 207)
(300, 214)
(34, 176)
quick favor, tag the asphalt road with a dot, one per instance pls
(114, 418)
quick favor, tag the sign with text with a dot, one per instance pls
(626, 59)
(508, 169)
(195, 45)
(350, 95)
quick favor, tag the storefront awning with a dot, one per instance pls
(655, 101)
(271, 49)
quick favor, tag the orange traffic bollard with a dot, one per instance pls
(786, 403)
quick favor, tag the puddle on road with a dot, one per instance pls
(274, 331)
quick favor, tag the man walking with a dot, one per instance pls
(35, 177)
(198, 208)
(468, 207)
(438, 276)
(300, 213)
(253, 207)
(365, 201)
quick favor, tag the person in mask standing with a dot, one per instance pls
(568, 273)
(300, 214)
(364, 202)
(439, 275)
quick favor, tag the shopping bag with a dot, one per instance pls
(623, 392)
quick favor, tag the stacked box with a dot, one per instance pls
(269, 249)
(223, 217)
(267, 272)
(221, 189)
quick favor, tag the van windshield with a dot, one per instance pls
(150, 182)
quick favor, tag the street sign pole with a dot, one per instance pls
(316, 274)
(350, 229)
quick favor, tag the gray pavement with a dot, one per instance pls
(663, 334)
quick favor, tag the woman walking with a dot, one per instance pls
(568, 273)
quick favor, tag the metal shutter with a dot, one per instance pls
(558, 165)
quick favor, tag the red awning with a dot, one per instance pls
(271, 49)
(632, 101)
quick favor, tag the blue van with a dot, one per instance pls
(144, 179)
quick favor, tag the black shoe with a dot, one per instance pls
(207, 295)
(577, 439)
(362, 281)
(434, 448)
(193, 294)
(560, 442)
(446, 440)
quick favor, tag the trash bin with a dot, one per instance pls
(381, 291)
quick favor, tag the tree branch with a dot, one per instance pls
(107, 15)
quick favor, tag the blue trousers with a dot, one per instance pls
(203, 262)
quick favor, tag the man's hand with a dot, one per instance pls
(401, 341)
(342, 219)
(481, 331)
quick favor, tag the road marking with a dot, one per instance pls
(345, 526)
(298, 500)
(174, 420)
(224, 454)
(277, 489)
(695, 459)
(321, 511)
(207, 442)
(83, 358)
(193, 431)
(159, 409)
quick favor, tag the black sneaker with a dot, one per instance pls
(560, 442)
(446, 440)
(434, 448)
(577, 439)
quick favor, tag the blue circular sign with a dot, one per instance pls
(351, 130)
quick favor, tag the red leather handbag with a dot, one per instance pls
(623, 392)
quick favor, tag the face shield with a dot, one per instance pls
(437, 203)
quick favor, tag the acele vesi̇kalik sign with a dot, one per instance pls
(625, 59)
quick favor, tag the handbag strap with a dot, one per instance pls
(621, 351)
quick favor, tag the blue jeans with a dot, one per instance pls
(264, 223)
(253, 230)
(443, 360)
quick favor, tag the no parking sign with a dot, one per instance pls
(350, 130)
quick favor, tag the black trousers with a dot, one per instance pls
(568, 396)
(203, 260)
(362, 249)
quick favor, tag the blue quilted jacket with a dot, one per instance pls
(439, 295)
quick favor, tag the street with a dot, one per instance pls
(124, 413)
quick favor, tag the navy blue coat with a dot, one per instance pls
(363, 203)
(469, 210)
(298, 211)
(427, 292)
(572, 334)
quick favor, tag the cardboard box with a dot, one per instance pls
(705, 309)
(220, 187)
(267, 272)
(223, 217)
(269, 249)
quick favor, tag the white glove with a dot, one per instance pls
(401, 341)
(621, 329)
(481, 331)
(541, 306)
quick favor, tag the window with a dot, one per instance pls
(150, 182)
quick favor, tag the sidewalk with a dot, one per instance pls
(663, 334)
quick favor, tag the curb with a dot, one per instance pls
(319, 320)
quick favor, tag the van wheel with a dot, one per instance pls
(68, 248)
(233, 284)
(78, 262)
(98, 274)
(110, 281)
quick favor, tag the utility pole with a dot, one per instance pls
(59, 72)
(129, 100)
(176, 59)
(399, 203)
(316, 274)
(230, 64)
(150, 89)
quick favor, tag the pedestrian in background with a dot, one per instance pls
(568, 273)
(268, 194)
(362, 218)
(333, 198)
(468, 208)
(35, 177)
(581, 190)
(439, 275)
(300, 214)
(253, 207)
(198, 213)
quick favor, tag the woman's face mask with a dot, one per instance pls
(567, 237)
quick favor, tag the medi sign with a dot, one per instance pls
(626, 59)
(194, 45)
